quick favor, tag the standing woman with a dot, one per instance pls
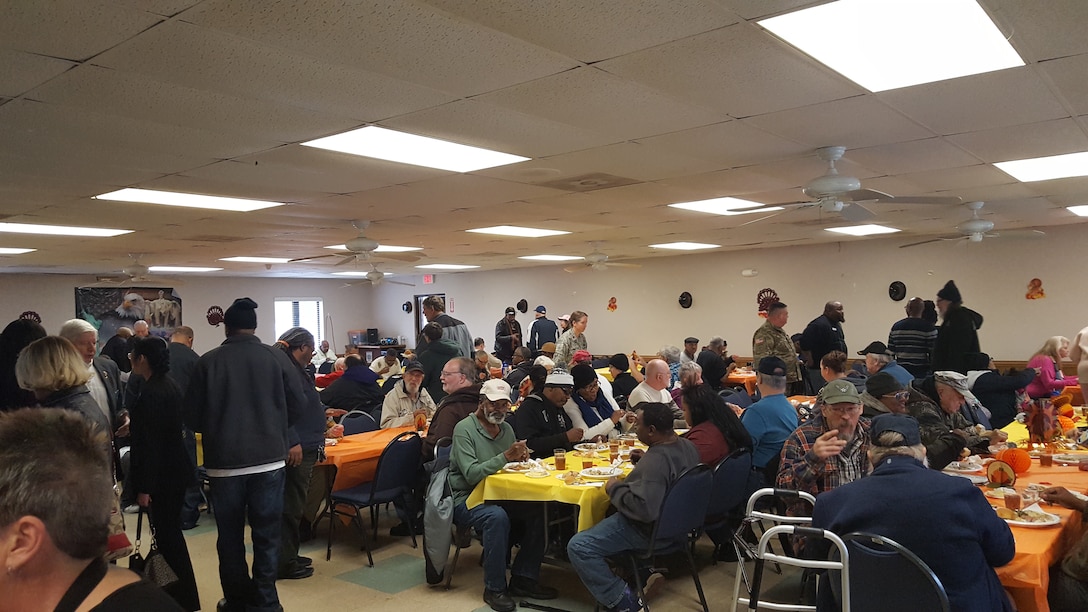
(1047, 361)
(572, 340)
(1079, 356)
(161, 468)
(304, 440)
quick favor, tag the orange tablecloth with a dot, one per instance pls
(748, 379)
(1027, 576)
(1075, 392)
(356, 457)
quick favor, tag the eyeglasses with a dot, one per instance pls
(899, 395)
(565, 390)
(444, 373)
(848, 408)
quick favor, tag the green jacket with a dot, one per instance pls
(475, 455)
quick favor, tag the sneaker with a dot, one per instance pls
(654, 583)
(499, 601)
(628, 603)
(520, 586)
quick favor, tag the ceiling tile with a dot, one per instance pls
(589, 98)
(166, 8)
(20, 72)
(914, 156)
(854, 122)
(400, 38)
(138, 97)
(592, 30)
(1042, 29)
(1070, 77)
(755, 9)
(958, 178)
(210, 60)
(1012, 96)
(1024, 141)
(631, 160)
(77, 29)
(739, 70)
(730, 144)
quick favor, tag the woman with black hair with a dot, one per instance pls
(161, 467)
(715, 429)
(305, 439)
(15, 337)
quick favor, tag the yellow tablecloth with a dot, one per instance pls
(592, 501)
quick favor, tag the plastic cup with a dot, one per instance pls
(1046, 460)
(1012, 501)
(560, 459)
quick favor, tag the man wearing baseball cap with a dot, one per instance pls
(483, 443)
(541, 420)
(542, 330)
(879, 359)
(829, 450)
(507, 335)
(772, 419)
(929, 513)
(407, 399)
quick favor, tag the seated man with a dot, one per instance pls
(356, 389)
(590, 408)
(879, 359)
(388, 365)
(883, 394)
(994, 391)
(461, 399)
(483, 370)
(482, 444)
(935, 401)
(772, 419)
(637, 500)
(828, 450)
(1068, 590)
(655, 388)
(541, 420)
(407, 400)
(479, 345)
(623, 382)
(522, 361)
(324, 380)
(946, 521)
(547, 350)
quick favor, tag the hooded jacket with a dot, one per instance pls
(957, 336)
(356, 389)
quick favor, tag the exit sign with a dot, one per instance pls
(428, 279)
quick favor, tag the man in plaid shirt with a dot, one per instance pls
(830, 449)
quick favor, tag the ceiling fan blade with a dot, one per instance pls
(616, 264)
(856, 212)
(1029, 234)
(348, 259)
(578, 268)
(775, 214)
(865, 195)
(937, 239)
(401, 283)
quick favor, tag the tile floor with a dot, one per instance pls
(396, 582)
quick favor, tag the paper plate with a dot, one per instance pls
(600, 473)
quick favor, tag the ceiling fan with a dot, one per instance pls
(977, 228)
(597, 261)
(361, 247)
(376, 277)
(838, 193)
(133, 272)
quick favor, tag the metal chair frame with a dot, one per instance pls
(764, 553)
(760, 518)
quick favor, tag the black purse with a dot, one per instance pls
(154, 566)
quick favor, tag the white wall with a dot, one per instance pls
(992, 276)
(53, 297)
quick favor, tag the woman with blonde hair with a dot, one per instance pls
(1047, 361)
(54, 371)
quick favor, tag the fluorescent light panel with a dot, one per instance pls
(1046, 168)
(446, 267)
(384, 248)
(190, 200)
(520, 232)
(358, 273)
(1080, 211)
(181, 269)
(268, 260)
(61, 230)
(390, 145)
(862, 230)
(897, 43)
(551, 257)
(725, 206)
(14, 251)
(685, 246)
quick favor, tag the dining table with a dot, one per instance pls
(356, 456)
(743, 376)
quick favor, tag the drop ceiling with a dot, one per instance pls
(623, 106)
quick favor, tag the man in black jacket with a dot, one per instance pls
(541, 421)
(507, 335)
(356, 389)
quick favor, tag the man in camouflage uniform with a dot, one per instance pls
(771, 339)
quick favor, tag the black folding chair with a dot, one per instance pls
(357, 421)
(886, 577)
(729, 491)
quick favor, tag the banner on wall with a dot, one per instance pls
(108, 308)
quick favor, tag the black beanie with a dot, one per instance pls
(951, 293)
(583, 375)
(241, 314)
(620, 362)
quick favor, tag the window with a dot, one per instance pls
(300, 312)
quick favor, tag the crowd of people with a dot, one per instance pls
(877, 429)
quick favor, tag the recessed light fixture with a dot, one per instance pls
(61, 230)
(190, 200)
(390, 145)
(14, 251)
(358, 273)
(265, 260)
(862, 230)
(181, 269)
(551, 257)
(899, 42)
(1080, 211)
(384, 248)
(725, 206)
(520, 232)
(685, 246)
(1046, 168)
(446, 267)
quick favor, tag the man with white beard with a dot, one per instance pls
(407, 400)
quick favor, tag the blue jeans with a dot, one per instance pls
(492, 521)
(588, 549)
(257, 498)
